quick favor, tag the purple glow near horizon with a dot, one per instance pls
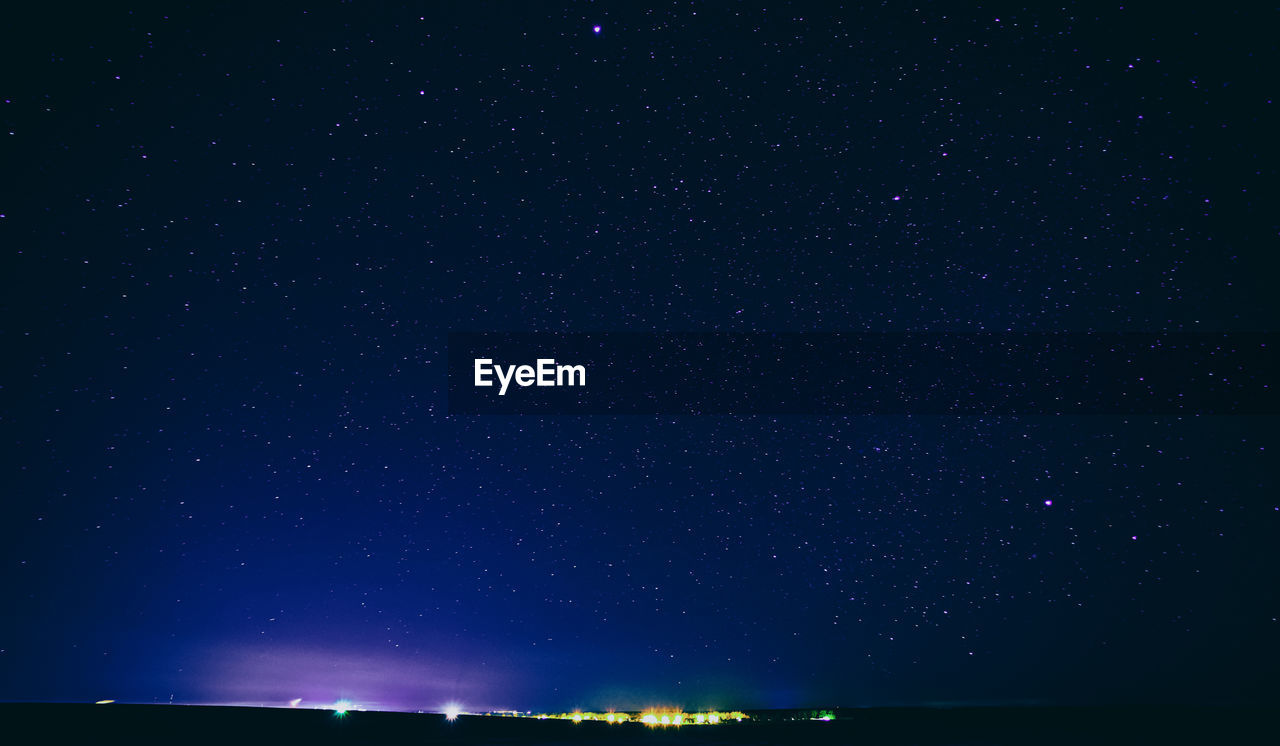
(316, 679)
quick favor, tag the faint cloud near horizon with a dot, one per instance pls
(311, 677)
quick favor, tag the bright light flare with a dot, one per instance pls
(452, 711)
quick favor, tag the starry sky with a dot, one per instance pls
(235, 241)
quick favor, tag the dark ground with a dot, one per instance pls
(161, 724)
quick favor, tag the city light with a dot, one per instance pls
(654, 717)
(452, 711)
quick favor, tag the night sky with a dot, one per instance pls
(234, 243)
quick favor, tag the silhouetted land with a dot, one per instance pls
(236, 726)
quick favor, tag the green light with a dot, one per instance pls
(340, 708)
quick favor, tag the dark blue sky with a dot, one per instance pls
(234, 242)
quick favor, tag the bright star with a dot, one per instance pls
(595, 29)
